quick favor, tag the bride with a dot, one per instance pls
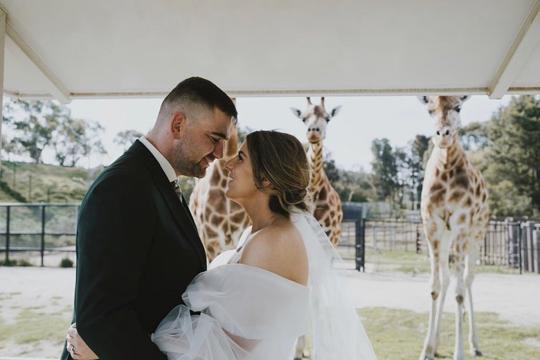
(279, 284)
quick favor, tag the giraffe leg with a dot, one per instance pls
(428, 352)
(459, 353)
(300, 348)
(444, 274)
(469, 277)
(439, 284)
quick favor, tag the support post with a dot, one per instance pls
(2, 58)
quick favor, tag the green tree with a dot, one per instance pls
(417, 161)
(76, 139)
(9, 147)
(355, 185)
(126, 138)
(403, 177)
(330, 169)
(385, 170)
(514, 156)
(33, 124)
(474, 136)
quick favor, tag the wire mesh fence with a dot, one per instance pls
(44, 234)
(40, 234)
(508, 243)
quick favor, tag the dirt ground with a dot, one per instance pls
(49, 292)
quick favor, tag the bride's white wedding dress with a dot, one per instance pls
(250, 313)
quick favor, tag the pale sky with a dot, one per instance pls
(349, 134)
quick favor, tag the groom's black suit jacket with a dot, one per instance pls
(137, 250)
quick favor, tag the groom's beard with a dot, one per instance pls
(198, 170)
(185, 165)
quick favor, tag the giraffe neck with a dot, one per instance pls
(231, 148)
(316, 166)
(449, 157)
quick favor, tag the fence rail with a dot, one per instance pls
(47, 232)
(507, 243)
(38, 230)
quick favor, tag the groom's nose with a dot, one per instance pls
(218, 150)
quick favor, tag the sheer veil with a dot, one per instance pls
(335, 327)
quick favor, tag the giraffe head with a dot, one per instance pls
(446, 111)
(316, 118)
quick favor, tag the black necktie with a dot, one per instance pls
(177, 190)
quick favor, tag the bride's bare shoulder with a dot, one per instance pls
(279, 249)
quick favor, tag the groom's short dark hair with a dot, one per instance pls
(197, 90)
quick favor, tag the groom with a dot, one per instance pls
(137, 245)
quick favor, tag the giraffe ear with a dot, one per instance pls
(297, 113)
(335, 111)
(464, 98)
(423, 99)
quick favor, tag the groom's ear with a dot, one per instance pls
(178, 123)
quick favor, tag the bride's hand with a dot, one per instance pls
(76, 346)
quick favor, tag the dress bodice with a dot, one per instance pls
(232, 256)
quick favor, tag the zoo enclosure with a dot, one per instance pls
(41, 230)
(37, 230)
(514, 244)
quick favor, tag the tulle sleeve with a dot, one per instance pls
(239, 300)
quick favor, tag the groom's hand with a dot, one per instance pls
(76, 346)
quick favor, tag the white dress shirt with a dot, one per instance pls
(164, 163)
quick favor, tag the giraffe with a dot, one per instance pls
(455, 215)
(327, 205)
(219, 220)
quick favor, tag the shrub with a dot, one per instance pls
(8, 263)
(24, 262)
(66, 263)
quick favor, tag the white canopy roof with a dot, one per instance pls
(71, 49)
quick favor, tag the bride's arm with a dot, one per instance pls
(246, 344)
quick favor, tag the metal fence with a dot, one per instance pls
(44, 234)
(507, 243)
(41, 234)
(351, 245)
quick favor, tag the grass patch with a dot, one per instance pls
(28, 182)
(399, 335)
(411, 262)
(31, 327)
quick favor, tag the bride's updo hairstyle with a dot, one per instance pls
(280, 158)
